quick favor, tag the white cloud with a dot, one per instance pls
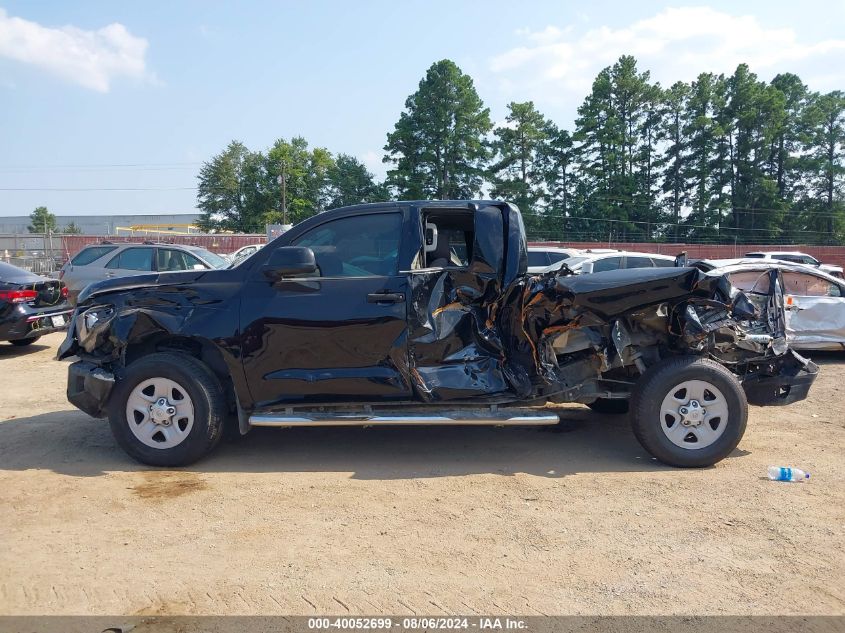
(90, 58)
(558, 65)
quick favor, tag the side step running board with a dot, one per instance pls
(501, 417)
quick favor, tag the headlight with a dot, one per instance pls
(92, 317)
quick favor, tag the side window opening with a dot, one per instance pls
(638, 262)
(755, 281)
(538, 258)
(452, 240)
(90, 254)
(662, 263)
(607, 263)
(805, 285)
(133, 259)
(359, 246)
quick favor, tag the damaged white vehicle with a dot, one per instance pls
(814, 300)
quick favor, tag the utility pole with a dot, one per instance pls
(282, 180)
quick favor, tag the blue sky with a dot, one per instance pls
(89, 88)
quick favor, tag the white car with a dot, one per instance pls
(815, 300)
(541, 257)
(796, 257)
(596, 262)
(243, 252)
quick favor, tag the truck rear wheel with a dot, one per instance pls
(168, 410)
(689, 412)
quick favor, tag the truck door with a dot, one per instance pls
(337, 336)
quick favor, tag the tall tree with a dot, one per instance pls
(706, 163)
(516, 172)
(825, 163)
(673, 115)
(42, 221)
(305, 175)
(752, 114)
(438, 147)
(557, 158)
(350, 182)
(615, 132)
(233, 191)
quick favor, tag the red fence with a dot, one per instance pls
(72, 244)
(825, 254)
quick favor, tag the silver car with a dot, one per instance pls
(815, 300)
(105, 261)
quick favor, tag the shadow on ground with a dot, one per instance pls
(71, 443)
(7, 350)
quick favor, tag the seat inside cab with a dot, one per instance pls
(448, 238)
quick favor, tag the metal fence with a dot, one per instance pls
(826, 254)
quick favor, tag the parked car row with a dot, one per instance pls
(544, 259)
(108, 261)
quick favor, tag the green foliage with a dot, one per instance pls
(243, 191)
(438, 147)
(42, 221)
(351, 183)
(719, 159)
(517, 171)
(72, 229)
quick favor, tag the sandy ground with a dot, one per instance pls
(570, 520)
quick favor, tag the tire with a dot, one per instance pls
(658, 423)
(23, 342)
(610, 406)
(190, 389)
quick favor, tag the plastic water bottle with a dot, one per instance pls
(777, 473)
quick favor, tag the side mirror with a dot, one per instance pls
(587, 268)
(290, 261)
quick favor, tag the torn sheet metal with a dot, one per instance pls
(816, 322)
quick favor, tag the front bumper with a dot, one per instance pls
(89, 387)
(791, 383)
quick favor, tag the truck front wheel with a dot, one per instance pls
(689, 412)
(168, 410)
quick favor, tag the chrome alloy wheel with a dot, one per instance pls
(160, 413)
(694, 414)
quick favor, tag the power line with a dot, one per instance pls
(71, 189)
(175, 165)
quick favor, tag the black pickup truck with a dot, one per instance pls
(423, 313)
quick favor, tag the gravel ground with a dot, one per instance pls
(570, 520)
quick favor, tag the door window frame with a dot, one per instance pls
(293, 236)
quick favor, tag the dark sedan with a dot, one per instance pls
(30, 305)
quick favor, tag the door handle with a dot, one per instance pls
(385, 297)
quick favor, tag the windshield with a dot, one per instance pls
(212, 258)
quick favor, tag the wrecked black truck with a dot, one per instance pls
(423, 313)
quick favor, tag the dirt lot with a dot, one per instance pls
(576, 519)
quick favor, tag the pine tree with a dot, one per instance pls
(438, 145)
(516, 173)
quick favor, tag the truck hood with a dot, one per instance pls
(140, 281)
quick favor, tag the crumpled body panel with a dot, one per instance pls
(816, 323)
(555, 334)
